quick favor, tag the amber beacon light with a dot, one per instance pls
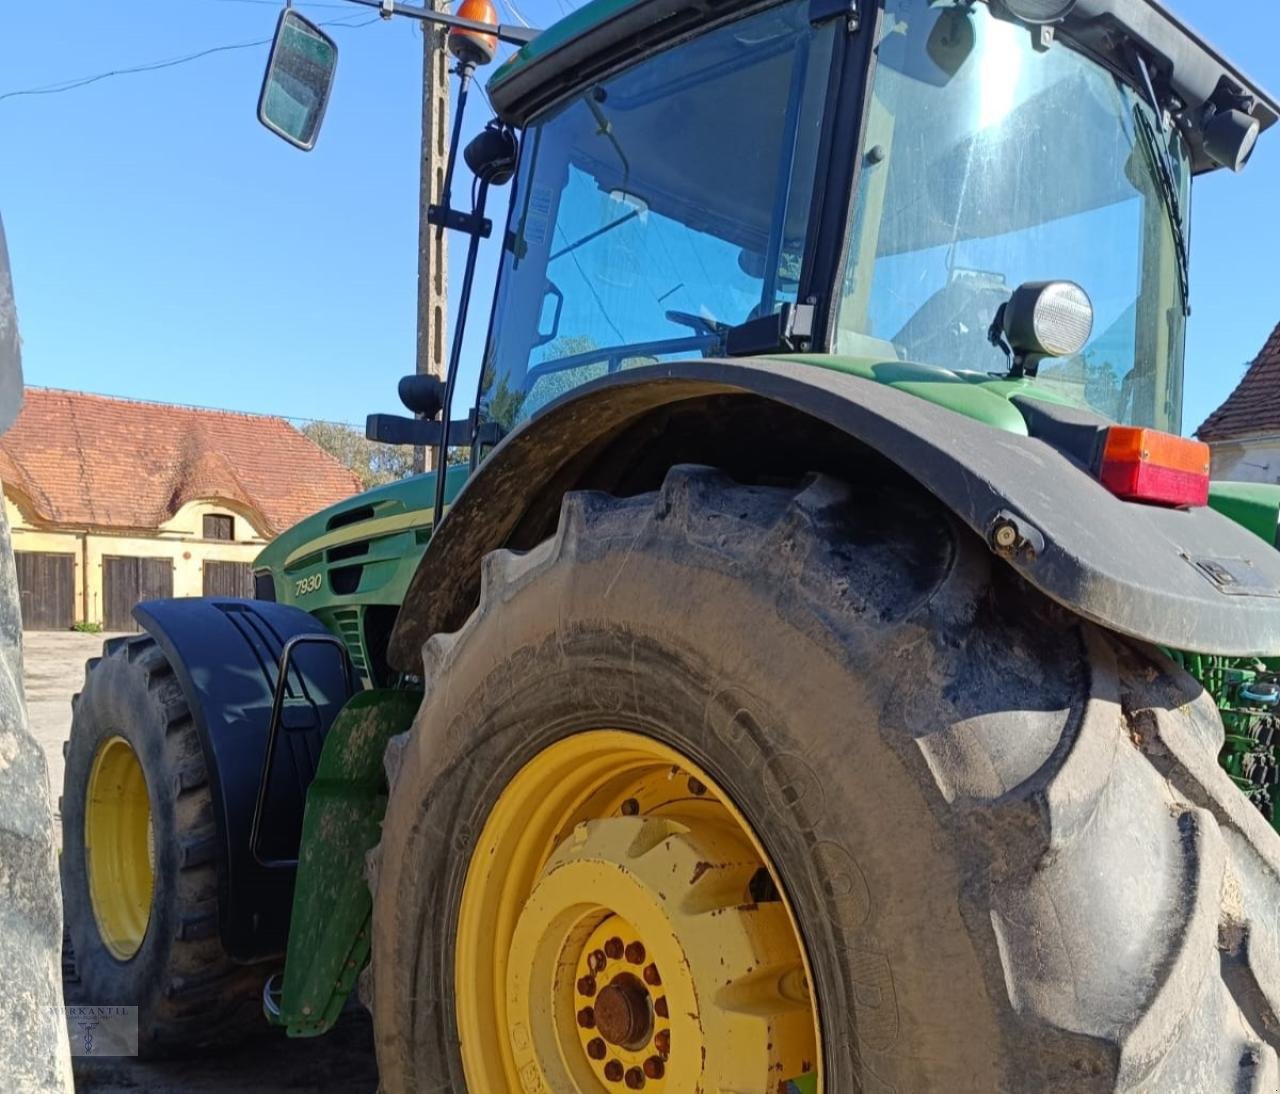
(473, 46)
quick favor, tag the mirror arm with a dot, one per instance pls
(516, 36)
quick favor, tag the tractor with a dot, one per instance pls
(818, 663)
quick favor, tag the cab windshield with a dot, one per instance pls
(657, 208)
(988, 163)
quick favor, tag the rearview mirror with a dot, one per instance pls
(299, 77)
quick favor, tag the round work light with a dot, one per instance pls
(1038, 12)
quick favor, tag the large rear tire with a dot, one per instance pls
(1002, 834)
(139, 859)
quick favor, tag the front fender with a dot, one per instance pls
(1139, 570)
(225, 654)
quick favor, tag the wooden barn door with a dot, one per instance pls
(227, 579)
(126, 580)
(46, 590)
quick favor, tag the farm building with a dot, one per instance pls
(1244, 432)
(112, 501)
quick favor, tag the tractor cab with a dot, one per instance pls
(872, 185)
(958, 194)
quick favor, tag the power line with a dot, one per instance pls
(155, 66)
(276, 4)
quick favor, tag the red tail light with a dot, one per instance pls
(1147, 465)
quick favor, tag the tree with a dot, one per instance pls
(373, 462)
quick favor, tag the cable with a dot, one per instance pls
(276, 3)
(155, 66)
(510, 5)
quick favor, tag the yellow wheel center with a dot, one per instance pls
(118, 847)
(625, 929)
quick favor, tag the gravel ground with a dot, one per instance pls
(341, 1062)
(53, 671)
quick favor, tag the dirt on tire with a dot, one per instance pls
(1015, 860)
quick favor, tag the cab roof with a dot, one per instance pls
(604, 35)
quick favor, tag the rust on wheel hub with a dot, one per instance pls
(623, 1014)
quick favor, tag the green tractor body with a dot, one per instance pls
(944, 244)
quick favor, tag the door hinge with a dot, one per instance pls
(822, 10)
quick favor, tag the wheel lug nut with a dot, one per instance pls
(587, 986)
(635, 953)
(660, 1007)
(635, 1078)
(596, 960)
(651, 976)
(662, 1042)
(596, 1048)
(696, 787)
(587, 1018)
(613, 948)
(613, 1071)
(630, 807)
(654, 1068)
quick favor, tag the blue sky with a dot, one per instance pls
(165, 246)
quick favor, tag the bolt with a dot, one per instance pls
(635, 1078)
(306, 1010)
(660, 1007)
(630, 807)
(596, 960)
(696, 787)
(651, 976)
(614, 948)
(662, 1042)
(654, 1068)
(587, 986)
(1006, 537)
(587, 1018)
(635, 953)
(613, 1070)
(596, 1048)
(876, 154)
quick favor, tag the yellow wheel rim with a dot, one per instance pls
(118, 848)
(622, 928)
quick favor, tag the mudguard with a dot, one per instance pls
(226, 655)
(1185, 579)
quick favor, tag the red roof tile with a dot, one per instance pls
(94, 460)
(1254, 406)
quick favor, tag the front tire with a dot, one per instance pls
(139, 859)
(996, 881)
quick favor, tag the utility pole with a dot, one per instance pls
(433, 270)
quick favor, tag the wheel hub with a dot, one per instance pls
(643, 952)
(623, 1013)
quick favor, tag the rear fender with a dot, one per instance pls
(225, 654)
(1184, 579)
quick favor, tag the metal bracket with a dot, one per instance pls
(468, 223)
(425, 433)
(787, 330)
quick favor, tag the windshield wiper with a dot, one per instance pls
(1161, 161)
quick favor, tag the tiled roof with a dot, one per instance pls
(1254, 406)
(92, 460)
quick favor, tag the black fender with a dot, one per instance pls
(1183, 579)
(226, 654)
